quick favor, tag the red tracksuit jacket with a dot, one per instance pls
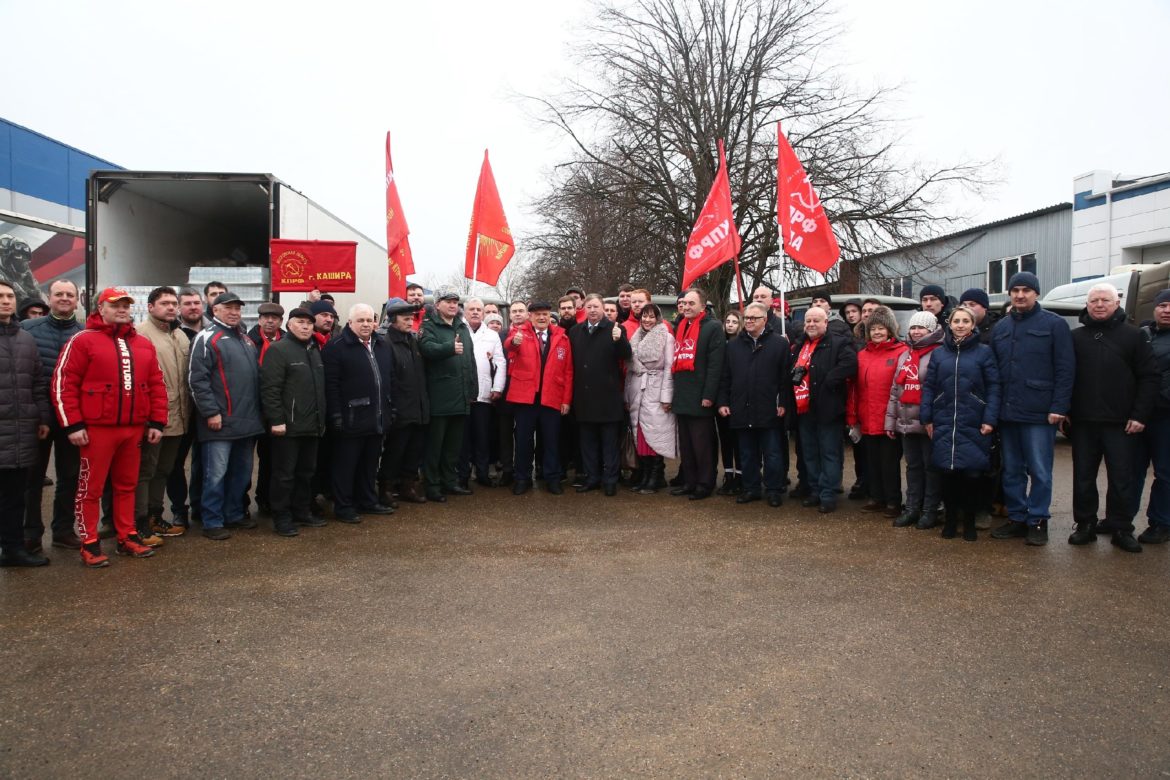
(108, 375)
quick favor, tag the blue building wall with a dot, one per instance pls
(38, 167)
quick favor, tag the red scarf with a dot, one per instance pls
(804, 359)
(686, 344)
(909, 377)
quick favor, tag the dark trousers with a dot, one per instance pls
(67, 460)
(179, 489)
(12, 492)
(728, 449)
(477, 444)
(402, 453)
(766, 445)
(154, 468)
(264, 470)
(599, 452)
(883, 460)
(861, 468)
(922, 490)
(1155, 450)
(355, 467)
(530, 418)
(444, 440)
(293, 461)
(698, 445)
(1092, 442)
(505, 432)
(824, 456)
(569, 443)
(801, 468)
(960, 491)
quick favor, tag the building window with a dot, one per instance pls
(901, 286)
(1000, 272)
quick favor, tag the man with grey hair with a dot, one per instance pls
(1116, 388)
(697, 368)
(358, 375)
(491, 374)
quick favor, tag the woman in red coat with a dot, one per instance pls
(868, 398)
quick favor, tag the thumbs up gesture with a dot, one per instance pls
(458, 345)
(518, 337)
(617, 332)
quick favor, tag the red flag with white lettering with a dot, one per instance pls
(399, 258)
(808, 236)
(714, 239)
(489, 240)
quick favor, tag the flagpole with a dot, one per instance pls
(739, 283)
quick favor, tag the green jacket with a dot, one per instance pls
(292, 386)
(452, 381)
(691, 387)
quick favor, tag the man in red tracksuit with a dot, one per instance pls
(108, 391)
(540, 390)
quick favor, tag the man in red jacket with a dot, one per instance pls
(108, 391)
(540, 389)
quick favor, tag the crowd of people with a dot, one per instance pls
(429, 402)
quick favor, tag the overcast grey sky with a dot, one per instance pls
(306, 91)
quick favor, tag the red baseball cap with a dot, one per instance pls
(111, 294)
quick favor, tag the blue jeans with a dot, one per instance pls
(227, 468)
(1156, 444)
(1027, 454)
(767, 444)
(824, 456)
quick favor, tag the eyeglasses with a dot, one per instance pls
(753, 319)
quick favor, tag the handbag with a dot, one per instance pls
(629, 449)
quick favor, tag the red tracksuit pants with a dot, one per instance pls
(113, 451)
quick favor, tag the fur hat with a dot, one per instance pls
(884, 316)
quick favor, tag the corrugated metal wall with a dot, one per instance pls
(960, 262)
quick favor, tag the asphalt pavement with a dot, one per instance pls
(586, 636)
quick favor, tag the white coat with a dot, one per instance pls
(490, 363)
(649, 385)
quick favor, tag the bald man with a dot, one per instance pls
(358, 375)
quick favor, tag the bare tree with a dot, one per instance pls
(666, 80)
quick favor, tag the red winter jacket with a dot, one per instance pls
(524, 378)
(108, 375)
(869, 393)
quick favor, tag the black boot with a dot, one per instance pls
(728, 487)
(948, 531)
(643, 473)
(969, 526)
(657, 479)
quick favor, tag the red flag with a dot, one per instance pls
(300, 266)
(488, 240)
(808, 237)
(400, 261)
(714, 239)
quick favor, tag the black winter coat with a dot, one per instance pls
(833, 363)
(358, 385)
(51, 335)
(691, 388)
(292, 386)
(24, 397)
(1117, 376)
(1160, 344)
(412, 405)
(598, 388)
(757, 379)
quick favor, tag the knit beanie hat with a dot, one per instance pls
(922, 319)
(933, 289)
(1162, 297)
(976, 295)
(1024, 279)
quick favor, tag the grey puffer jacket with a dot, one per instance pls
(903, 417)
(24, 397)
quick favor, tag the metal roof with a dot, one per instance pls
(975, 229)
